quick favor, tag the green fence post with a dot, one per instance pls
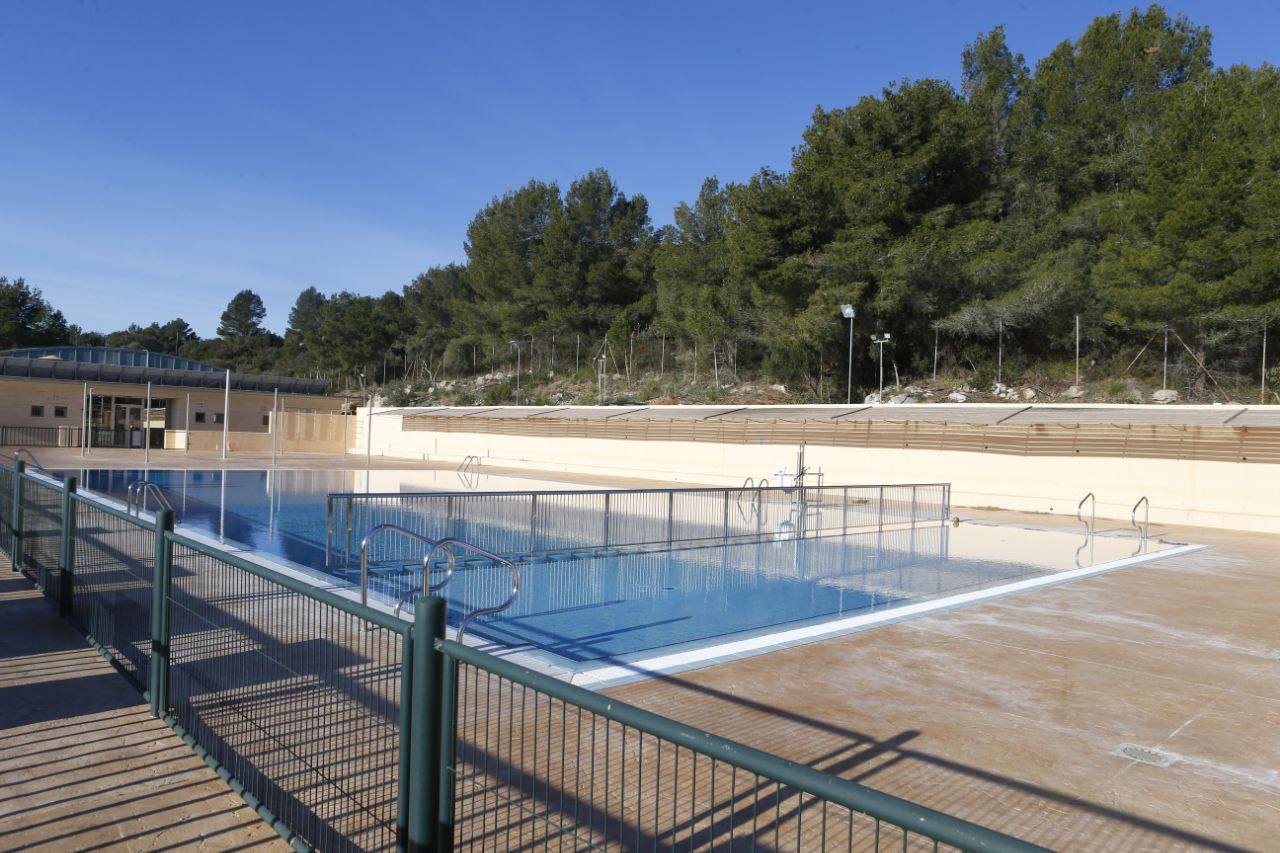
(406, 729)
(448, 729)
(15, 541)
(424, 735)
(160, 587)
(67, 558)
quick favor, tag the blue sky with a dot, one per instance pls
(157, 157)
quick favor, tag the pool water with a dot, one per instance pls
(622, 605)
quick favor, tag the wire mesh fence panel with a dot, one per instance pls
(114, 572)
(530, 523)
(534, 771)
(297, 697)
(36, 436)
(6, 511)
(41, 538)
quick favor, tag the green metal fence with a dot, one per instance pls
(349, 729)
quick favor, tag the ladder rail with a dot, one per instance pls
(33, 461)
(1145, 527)
(135, 502)
(1092, 524)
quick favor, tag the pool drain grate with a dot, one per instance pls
(1146, 755)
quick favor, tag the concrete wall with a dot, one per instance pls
(1235, 495)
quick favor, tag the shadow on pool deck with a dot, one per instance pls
(83, 764)
(1010, 713)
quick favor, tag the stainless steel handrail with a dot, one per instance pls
(136, 497)
(21, 451)
(1146, 518)
(364, 553)
(1092, 524)
(467, 471)
(450, 542)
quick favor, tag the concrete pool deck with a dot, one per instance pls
(1014, 713)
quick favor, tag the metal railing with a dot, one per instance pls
(347, 728)
(1145, 527)
(531, 523)
(31, 460)
(138, 492)
(40, 436)
(566, 766)
(1091, 524)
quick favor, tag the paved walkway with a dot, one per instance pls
(83, 764)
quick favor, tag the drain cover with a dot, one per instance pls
(1146, 755)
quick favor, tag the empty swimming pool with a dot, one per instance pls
(661, 580)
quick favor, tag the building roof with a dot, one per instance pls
(127, 366)
(119, 356)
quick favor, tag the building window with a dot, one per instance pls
(59, 411)
(217, 417)
(199, 417)
(37, 411)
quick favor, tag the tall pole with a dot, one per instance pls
(146, 429)
(848, 379)
(187, 428)
(881, 370)
(1262, 393)
(935, 353)
(517, 372)
(368, 441)
(226, 414)
(1077, 350)
(1164, 376)
(577, 351)
(89, 438)
(1000, 351)
(662, 358)
(275, 423)
(88, 425)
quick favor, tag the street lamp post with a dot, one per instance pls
(880, 342)
(847, 312)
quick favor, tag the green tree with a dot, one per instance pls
(243, 317)
(27, 319)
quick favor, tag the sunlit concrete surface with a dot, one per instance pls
(83, 764)
(1017, 713)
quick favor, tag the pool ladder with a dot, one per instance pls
(33, 461)
(450, 546)
(467, 471)
(135, 500)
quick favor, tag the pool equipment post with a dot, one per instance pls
(226, 413)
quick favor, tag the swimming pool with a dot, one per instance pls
(614, 609)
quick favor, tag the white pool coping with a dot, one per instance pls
(667, 664)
